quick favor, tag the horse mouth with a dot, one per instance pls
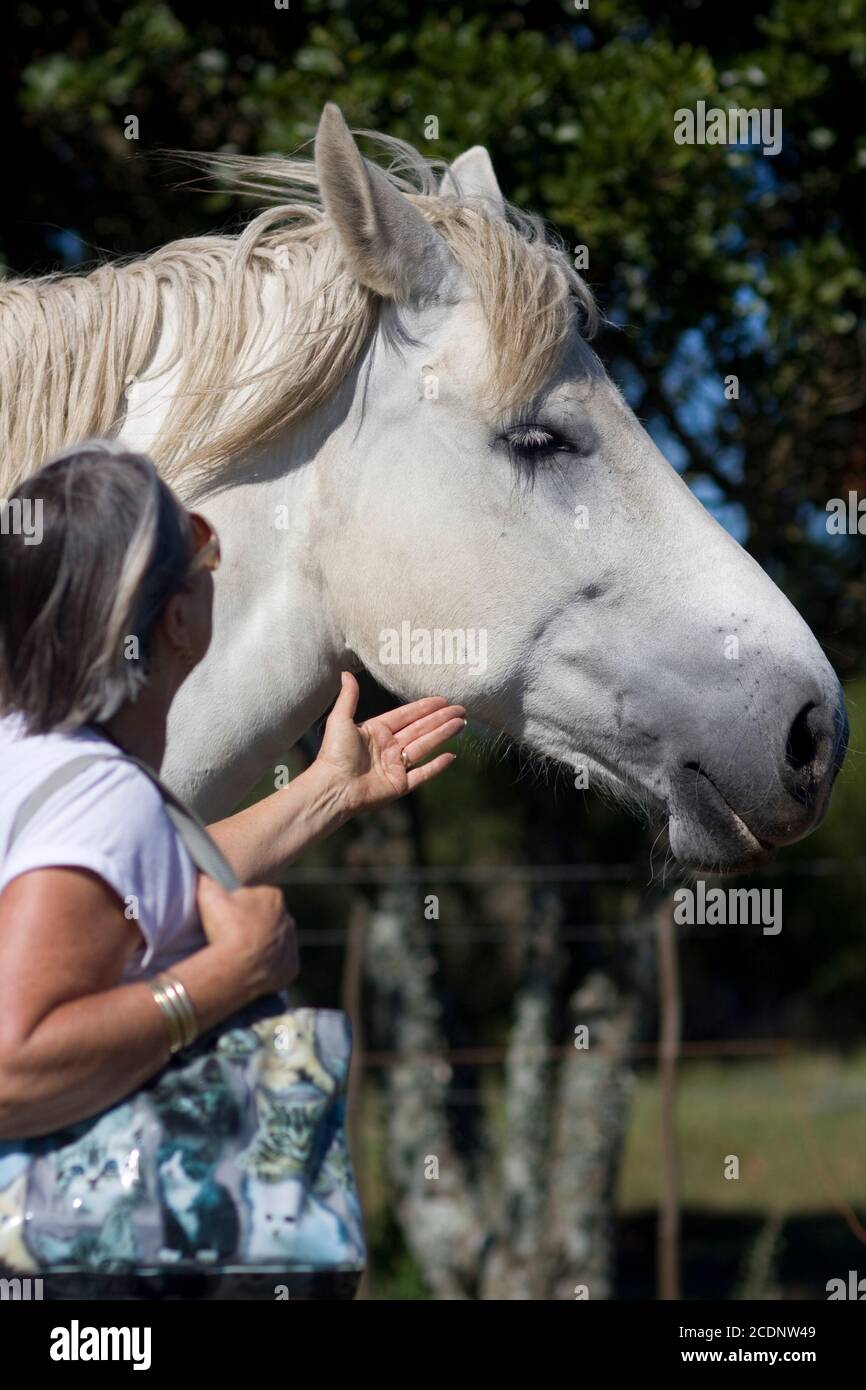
(705, 831)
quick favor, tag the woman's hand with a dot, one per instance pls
(359, 766)
(365, 760)
(253, 926)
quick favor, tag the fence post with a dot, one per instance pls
(670, 1028)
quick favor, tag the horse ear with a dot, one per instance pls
(472, 176)
(388, 244)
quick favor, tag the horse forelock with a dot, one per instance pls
(71, 344)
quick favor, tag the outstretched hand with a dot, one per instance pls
(367, 759)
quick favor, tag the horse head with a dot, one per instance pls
(533, 554)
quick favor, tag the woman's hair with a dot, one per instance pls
(91, 548)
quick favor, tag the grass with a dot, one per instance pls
(797, 1125)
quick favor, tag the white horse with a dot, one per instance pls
(382, 396)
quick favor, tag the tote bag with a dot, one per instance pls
(228, 1172)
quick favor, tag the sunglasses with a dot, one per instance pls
(206, 552)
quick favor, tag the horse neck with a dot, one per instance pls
(277, 650)
(276, 653)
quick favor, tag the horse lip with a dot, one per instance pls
(755, 851)
(763, 848)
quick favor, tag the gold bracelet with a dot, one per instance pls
(172, 1024)
(179, 997)
(177, 1010)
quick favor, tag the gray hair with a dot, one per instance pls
(78, 609)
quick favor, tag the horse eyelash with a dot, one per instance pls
(529, 428)
(532, 436)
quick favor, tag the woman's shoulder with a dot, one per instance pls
(109, 809)
(109, 818)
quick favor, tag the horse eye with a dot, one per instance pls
(533, 443)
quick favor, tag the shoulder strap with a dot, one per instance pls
(202, 849)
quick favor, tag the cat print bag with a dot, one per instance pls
(231, 1163)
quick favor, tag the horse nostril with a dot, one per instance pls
(801, 747)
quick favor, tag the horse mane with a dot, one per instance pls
(268, 322)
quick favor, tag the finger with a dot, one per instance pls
(347, 700)
(419, 775)
(429, 723)
(396, 719)
(420, 747)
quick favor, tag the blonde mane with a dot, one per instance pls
(71, 344)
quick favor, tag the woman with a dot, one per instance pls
(100, 623)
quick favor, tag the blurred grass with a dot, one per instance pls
(797, 1124)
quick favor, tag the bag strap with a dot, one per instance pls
(201, 847)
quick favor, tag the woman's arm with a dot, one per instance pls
(73, 1041)
(359, 766)
(261, 840)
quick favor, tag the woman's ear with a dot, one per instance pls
(173, 625)
(180, 629)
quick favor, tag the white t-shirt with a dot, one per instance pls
(111, 820)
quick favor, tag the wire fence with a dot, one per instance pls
(628, 931)
(494, 1056)
(650, 921)
(486, 875)
(398, 876)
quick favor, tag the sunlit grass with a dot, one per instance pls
(796, 1123)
